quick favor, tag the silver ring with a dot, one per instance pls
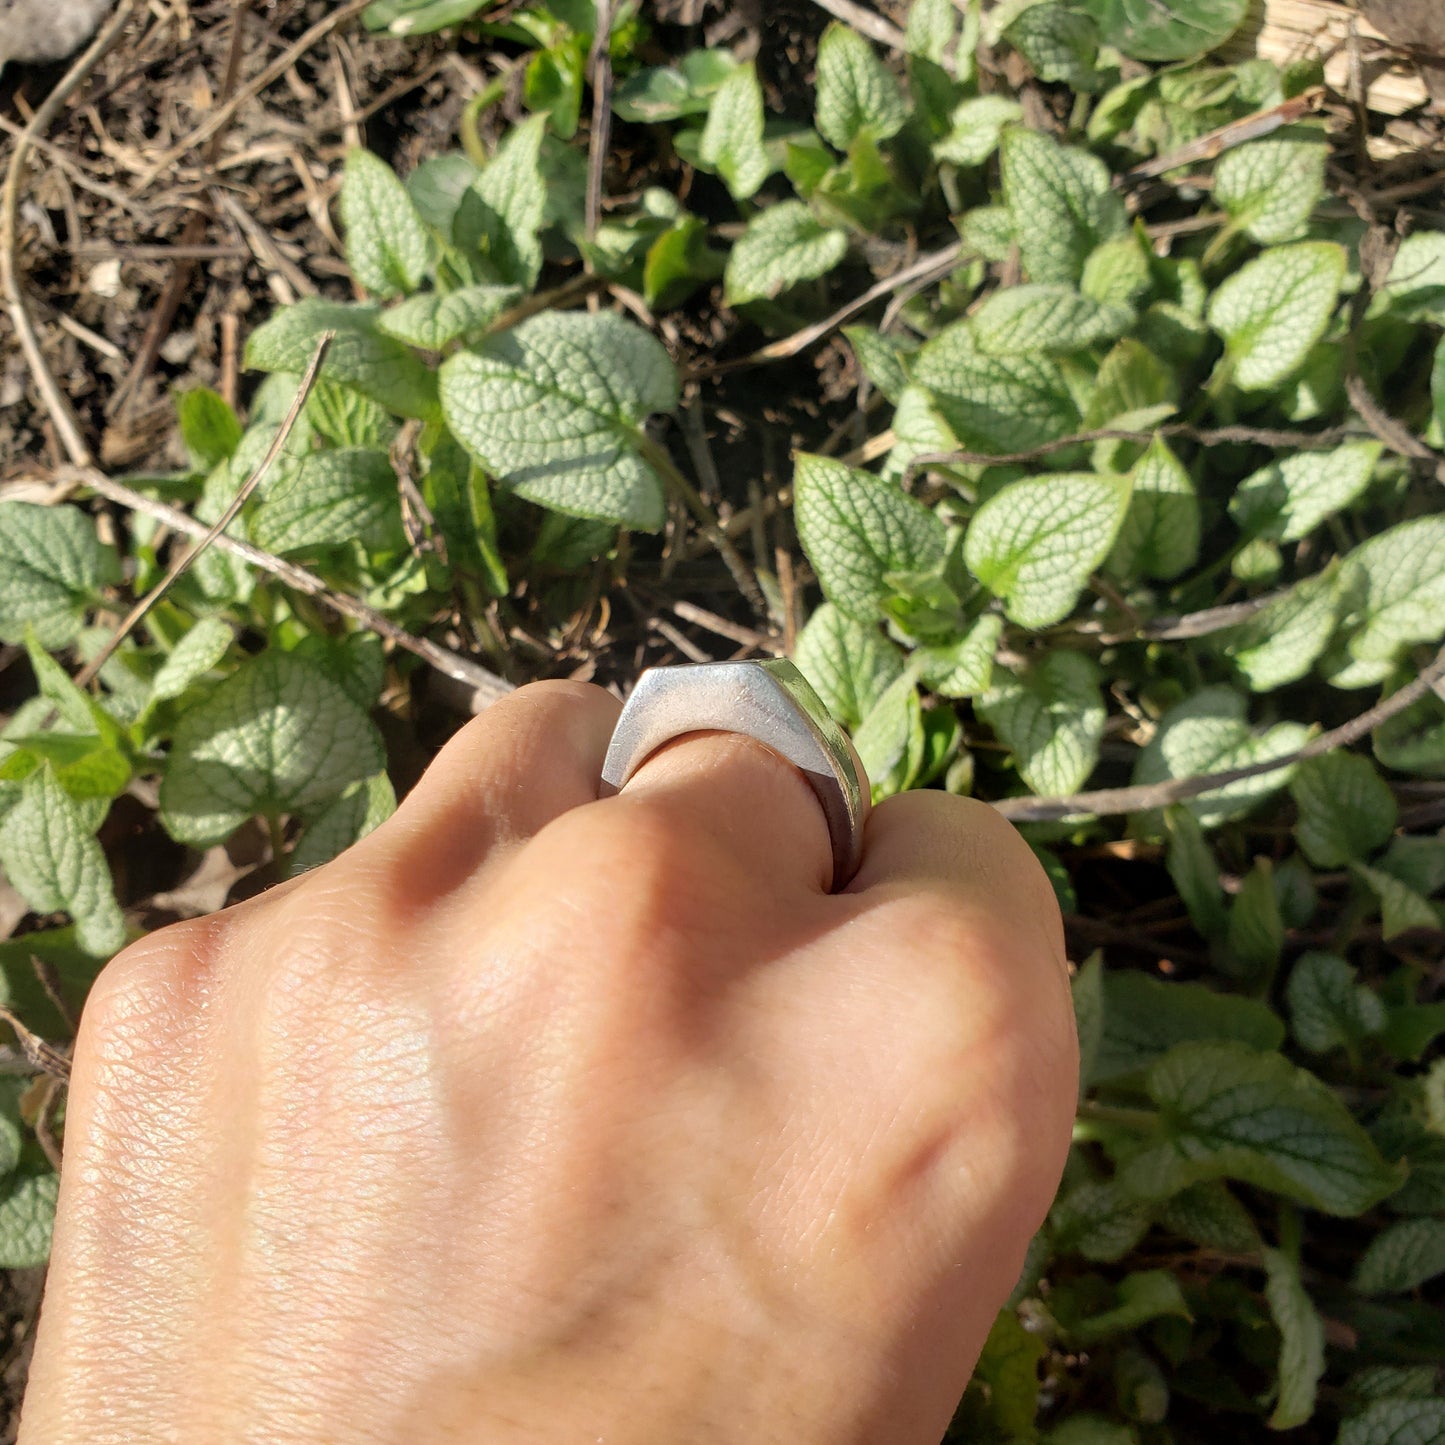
(768, 701)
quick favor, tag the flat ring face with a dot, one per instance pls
(769, 701)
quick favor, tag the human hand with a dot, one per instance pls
(534, 1118)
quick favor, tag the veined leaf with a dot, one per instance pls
(1208, 733)
(1035, 542)
(856, 91)
(360, 356)
(1232, 1111)
(1302, 1341)
(1271, 186)
(200, 650)
(849, 664)
(1394, 591)
(975, 129)
(1159, 536)
(387, 245)
(1062, 202)
(732, 139)
(1167, 29)
(782, 246)
(1402, 1257)
(500, 215)
(1328, 1009)
(51, 860)
(1287, 636)
(1346, 809)
(857, 529)
(1273, 310)
(1395, 1422)
(333, 497)
(51, 566)
(278, 736)
(435, 319)
(1028, 319)
(555, 409)
(1052, 719)
(1289, 498)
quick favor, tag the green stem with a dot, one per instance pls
(1138, 1121)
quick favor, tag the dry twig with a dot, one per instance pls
(1174, 790)
(866, 22)
(187, 558)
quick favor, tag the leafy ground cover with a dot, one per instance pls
(1100, 385)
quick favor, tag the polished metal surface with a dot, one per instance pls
(769, 701)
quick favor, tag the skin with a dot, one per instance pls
(534, 1118)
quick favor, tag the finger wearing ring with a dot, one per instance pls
(770, 702)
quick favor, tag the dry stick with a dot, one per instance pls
(55, 400)
(1157, 795)
(599, 65)
(922, 269)
(57, 157)
(1206, 436)
(1396, 437)
(866, 22)
(1236, 133)
(43, 1058)
(259, 82)
(489, 686)
(184, 561)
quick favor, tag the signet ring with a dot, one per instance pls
(770, 702)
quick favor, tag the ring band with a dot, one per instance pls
(770, 702)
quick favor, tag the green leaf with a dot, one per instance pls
(1272, 311)
(857, 530)
(665, 92)
(1270, 187)
(196, 654)
(987, 232)
(1415, 287)
(1166, 29)
(555, 408)
(975, 128)
(1089, 1429)
(1231, 1111)
(1195, 871)
(963, 667)
(883, 359)
(1035, 542)
(856, 91)
(387, 245)
(782, 245)
(1402, 1257)
(27, 1216)
(343, 417)
(1159, 536)
(500, 216)
(1212, 1217)
(1394, 586)
(1401, 908)
(1098, 1221)
(1289, 498)
(1346, 810)
(1088, 996)
(1328, 1009)
(890, 740)
(419, 17)
(1209, 733)
(850, 665)
(1024, 320)
(209, 427)
(1060, 44)
(732, 139)
(1302, 1341)
(1062, 203)
(1140, 1297)
(1254, 934)
(1396, 1422)
(55, 865)
(360, 356)
(1052, 720)
(434, 319)
(278, 736)
(348, 820)
(995, 403)
(1145, 1017)
(1003, 1393)
(1287, 636)
(51, 567)
(348, 494)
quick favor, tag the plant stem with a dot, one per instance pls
(1139, 1121)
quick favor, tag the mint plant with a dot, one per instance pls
(1140, 539)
